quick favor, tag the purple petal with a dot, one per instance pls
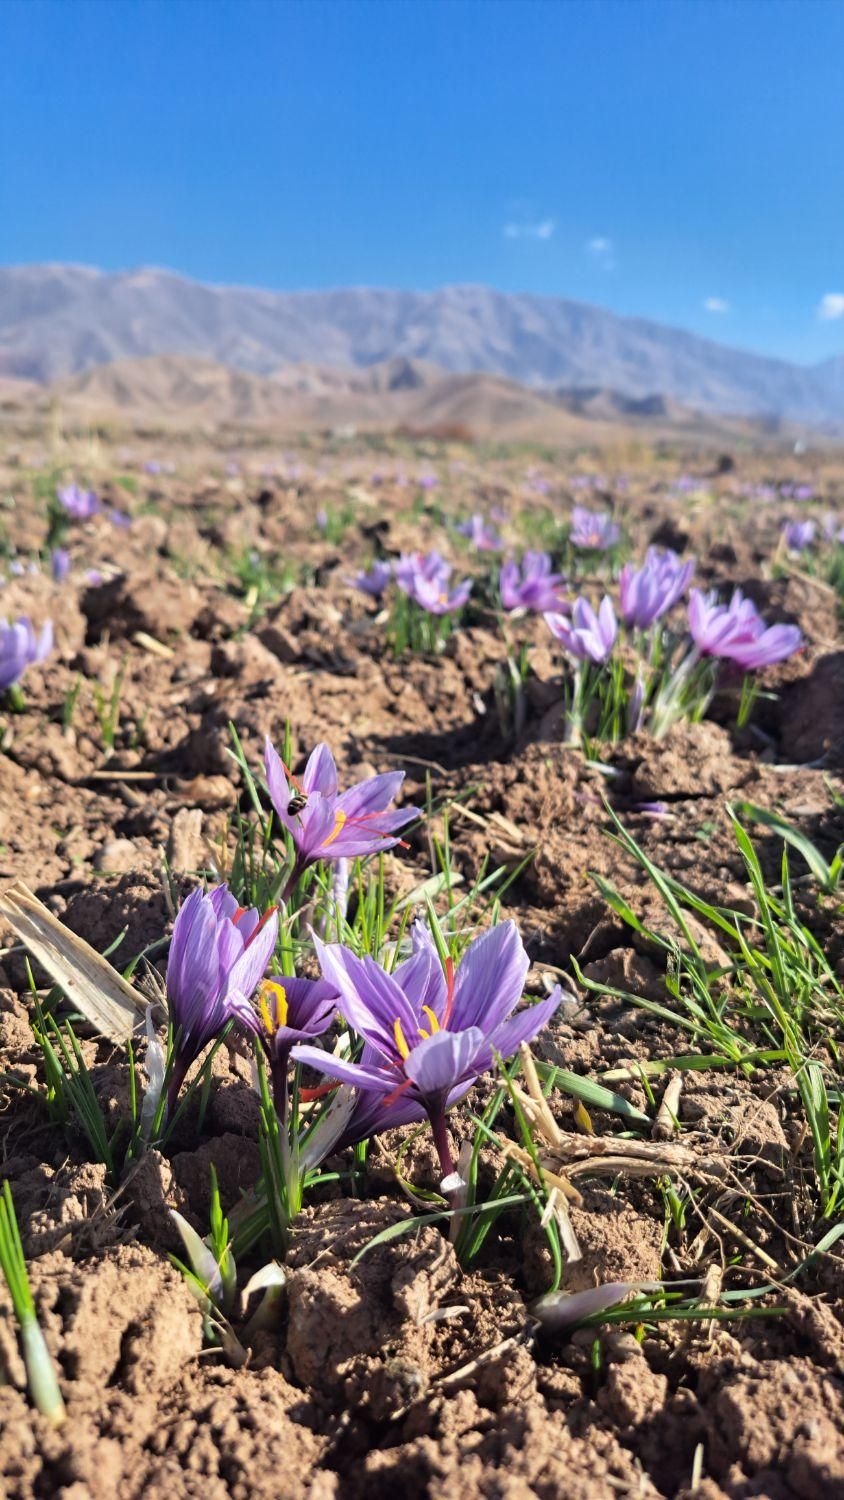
(490, 978)
(370, 1000)
(320, 774)
(252, 964)
(382, 1080)
(444, 1060)
(277, 784)
(222, 901)
(423, 981)
(524, 1026)
(372, 795)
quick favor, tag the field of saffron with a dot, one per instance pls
(421, 998)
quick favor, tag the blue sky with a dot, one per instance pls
(653, 156)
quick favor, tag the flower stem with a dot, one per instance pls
(177, 1078)
(439, 1130)
(292, 880)
(278, 1075)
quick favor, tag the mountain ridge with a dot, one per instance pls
(173, 393)
(57, 320)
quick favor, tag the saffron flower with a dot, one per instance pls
(20, 647)
(480, 533)
(649, 592)
(327, 824)
(425, 579)
(431, 566)
(587, 636)
(431, 1034)
(737, 632)
(291, 1010)
(218, 954)
(531, 584)
(798, 535)
(593, 531)
(59, 564)
(80, 504)
(375, 581)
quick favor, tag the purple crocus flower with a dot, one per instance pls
(412, 566)
(120, 518)
(430, 1033)
(427, 481)
(375, 581)
(537, 482)
(425, 579)
(531, 585)
(480, 533)
(326, 824)
(774, 644)
(593, 531)
(80, 504)
(59, 564)
(443, 602)
(798, 535)
(587, 636)
(218, 954)
(737, 632)
(804, 492)
(832, 529)
(20, 647)
(291, 1010)
(651, 591)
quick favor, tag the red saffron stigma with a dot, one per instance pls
(449, 994)
(263, 922)
(308, 1096)
(395, 1094)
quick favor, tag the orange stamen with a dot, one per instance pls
(401, 1043)
(339, 823)
(272, 1019)
(432, 1021)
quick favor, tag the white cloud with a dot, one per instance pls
(542, 229)
(831, 306)
(716, 304)
(602, 252)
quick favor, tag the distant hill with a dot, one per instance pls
(179, 392)
(59, 320)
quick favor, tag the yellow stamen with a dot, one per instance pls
(339, 821)
(404, 1050)
(276, 1017)
(435, 1025)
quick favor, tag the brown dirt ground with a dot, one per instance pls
(402, 1373)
